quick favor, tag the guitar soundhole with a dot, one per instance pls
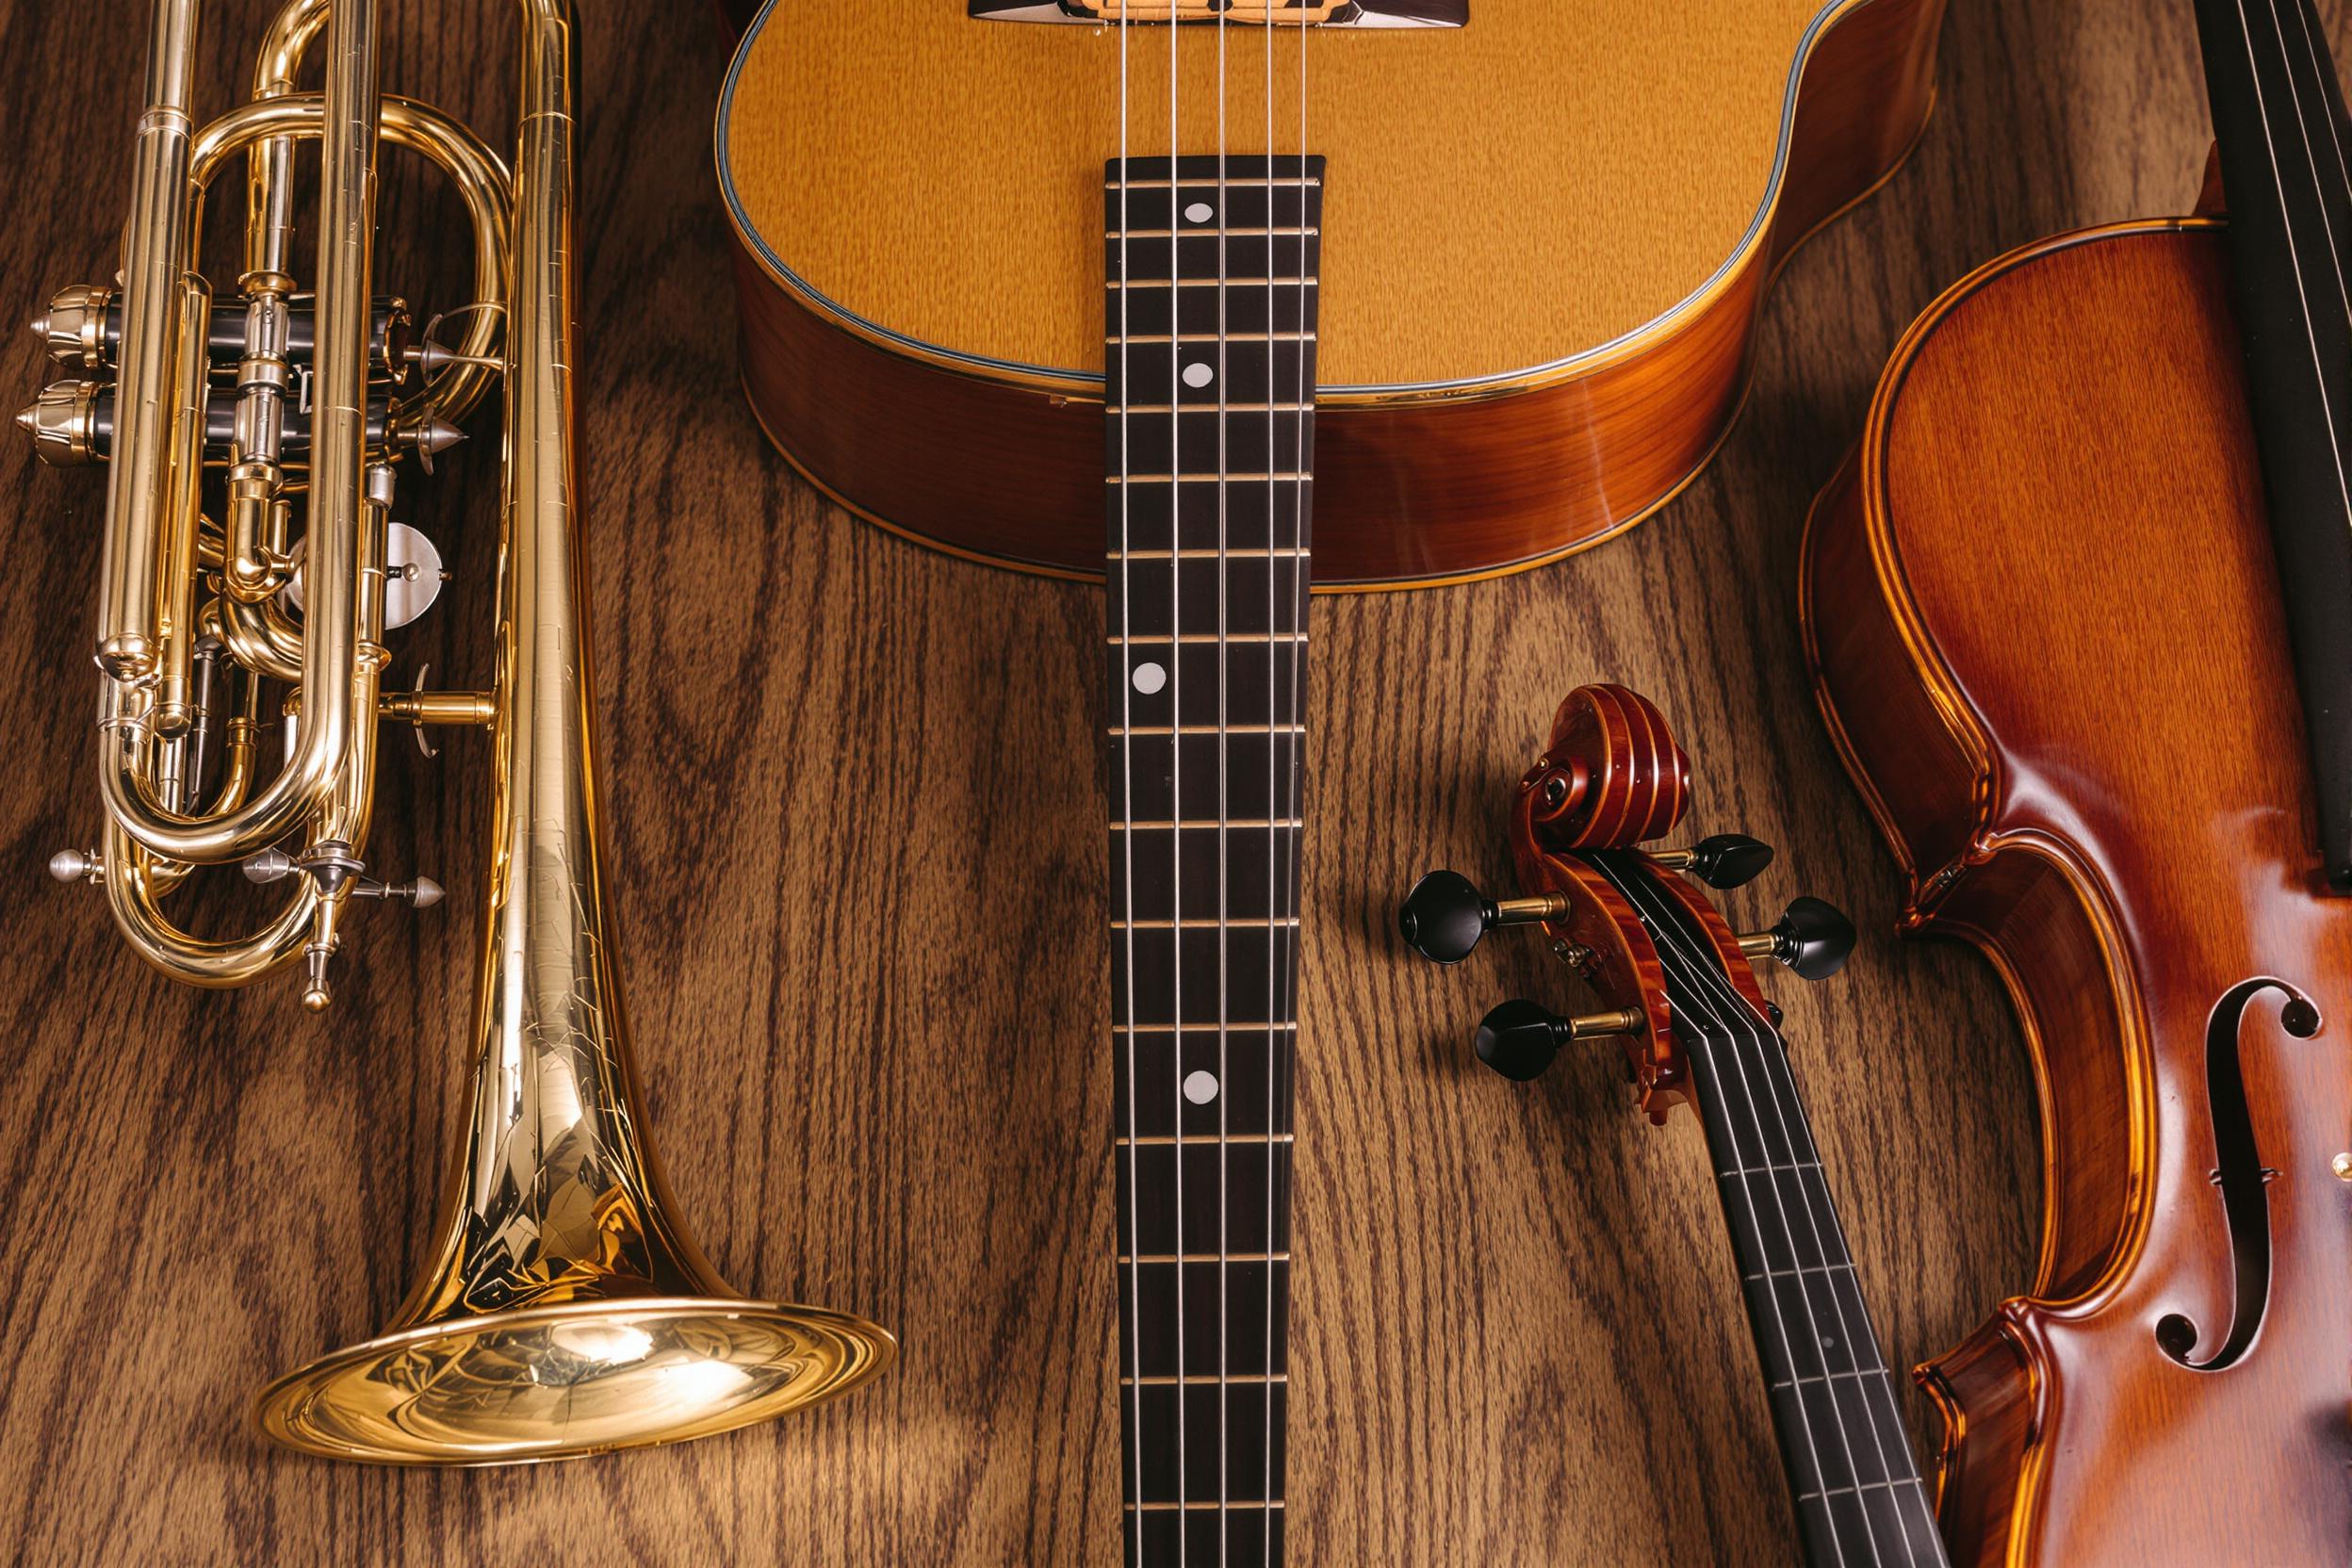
(2238, 1174)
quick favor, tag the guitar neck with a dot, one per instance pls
(1859, 1499)
(1212, 292)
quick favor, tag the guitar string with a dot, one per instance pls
(1224, 758)
(1295, 735)
(2311, 325)
(1176, 769)
(1739, 1017)
(1127, 837)
(1665, 937)
(1273, 812)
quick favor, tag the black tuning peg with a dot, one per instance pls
(1725, 860)
(1445, 915)
(1519, 1039)
(1813, 938)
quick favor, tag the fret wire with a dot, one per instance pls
(1198, 1378)
(1201, 1028)
(1206, 234)
(1203, 188)
(1221, 1503)
(1164, 1258)
(1245, 923)
(1272, 825)
(1213, 637)
(1209, 479)
(1199, 554)
(1859, 1374)
(1155, 1141)
(1195, 283)
(1890, 1484)
(1205, 408)
(1129, 340)
(1120, 730)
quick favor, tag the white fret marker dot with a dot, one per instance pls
(1199, 374)
(1199, 212)
(1150, 677)
(1200, 1088)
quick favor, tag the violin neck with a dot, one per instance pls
(1859, 1498)
(2286, 165)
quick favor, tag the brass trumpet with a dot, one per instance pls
(565, 1312)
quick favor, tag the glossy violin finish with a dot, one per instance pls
(2046, 626)
(1679, 993)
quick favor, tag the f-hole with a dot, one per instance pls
(2240, 1175)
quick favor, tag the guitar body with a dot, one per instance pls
(1549, 236)
(2045, 617)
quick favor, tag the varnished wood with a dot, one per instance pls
(1502, 225)
(2052, 629)
(857, 858)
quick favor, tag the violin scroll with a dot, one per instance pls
(1611, 776)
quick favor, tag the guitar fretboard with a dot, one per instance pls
(1859, 1498)
(1211, 306)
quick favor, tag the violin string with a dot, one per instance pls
(1176, 764)
(2310, 151)
(2314, 53)
(1787, 1106)
(2311, 327)
(1758, 1034)
(1666, 938)
(1127, 837)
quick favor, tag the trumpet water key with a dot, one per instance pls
(566, 1311)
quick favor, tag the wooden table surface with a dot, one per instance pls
(856, 825)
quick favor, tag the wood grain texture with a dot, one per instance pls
(857, 857)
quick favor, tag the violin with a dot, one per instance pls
(1678, 990)
(2079, 609)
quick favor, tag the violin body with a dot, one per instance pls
(2044, 617)
(1549, 236)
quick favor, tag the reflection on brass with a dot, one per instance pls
(566, 1311)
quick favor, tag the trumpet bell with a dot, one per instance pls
(562, 1381)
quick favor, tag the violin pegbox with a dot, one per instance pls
(1611, 778)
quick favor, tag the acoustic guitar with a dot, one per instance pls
(1045, 283)
(1678, 992)
(1550, 234)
